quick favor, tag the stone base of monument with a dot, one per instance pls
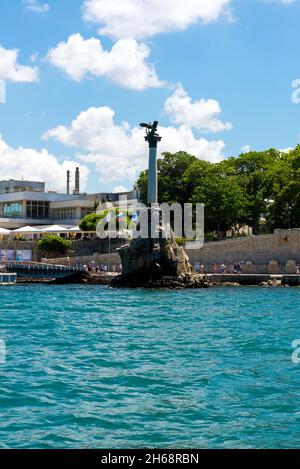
(157, 263)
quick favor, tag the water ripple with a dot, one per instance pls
(92, 367)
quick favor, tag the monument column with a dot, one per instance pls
(152, 138)
(152, 175)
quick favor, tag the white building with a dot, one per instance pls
(27, 203)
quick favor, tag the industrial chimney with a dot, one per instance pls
(68, 181)
(77, 182)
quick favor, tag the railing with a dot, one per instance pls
(7, 278)
(38, 266)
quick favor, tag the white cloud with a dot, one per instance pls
(120, 188)
(2, 92)
(246, 149)
(145, 18)
(286, 150)
(199, 115)
(34, 5)
(119, 152)
(142, 19)
(125, 64)
(11, 70)
(37, 165)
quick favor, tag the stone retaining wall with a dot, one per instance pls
(275, 253)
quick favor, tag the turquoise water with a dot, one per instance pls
(89, 367)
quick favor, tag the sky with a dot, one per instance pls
(78, 76)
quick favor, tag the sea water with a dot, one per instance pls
(91, 367)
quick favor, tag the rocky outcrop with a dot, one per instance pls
(271, 283)
(230, 284)
(157, 263)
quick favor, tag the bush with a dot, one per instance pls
(90, 222)
(54, 244)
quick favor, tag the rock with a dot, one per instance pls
(157, 263)
(231, 284)
(272, 283)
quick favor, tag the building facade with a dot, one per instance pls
(27, 203)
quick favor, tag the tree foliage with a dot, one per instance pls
(54, 244)
(238, 190)
(90, 221)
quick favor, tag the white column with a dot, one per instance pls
(152, 177)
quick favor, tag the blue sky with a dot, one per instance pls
(218, 80)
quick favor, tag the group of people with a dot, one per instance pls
(95, 268)
(221, 269)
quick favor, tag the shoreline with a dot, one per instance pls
(215, 280)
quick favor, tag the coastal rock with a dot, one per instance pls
(231, 284)
(272, 283)
(157, 263)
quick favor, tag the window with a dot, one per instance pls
(37, 210)
(13, 209)
(65, 214)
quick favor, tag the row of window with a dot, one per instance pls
(64, 213)
(13, 209)
(38, 210)
(69, 213)
(35, 210)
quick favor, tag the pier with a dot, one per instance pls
(292, 280)
(35, 270)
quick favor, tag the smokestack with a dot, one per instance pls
(77, 182)
(68, 181)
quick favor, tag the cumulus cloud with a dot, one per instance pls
(34, 5)
(142, 19)
(246, 149)
(201, 115)
(145, 18)
(286, 150)
(119, 151)
(120, 188)
(11, 70)
(125, 64)
(36, 165)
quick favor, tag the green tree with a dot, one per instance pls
(224, 202)
(90, 222)
(54, 244)
(262, 175)
(171, 186)
(236, 190)
(196, 175)
(285, 212)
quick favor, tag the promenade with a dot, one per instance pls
(256, 279)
